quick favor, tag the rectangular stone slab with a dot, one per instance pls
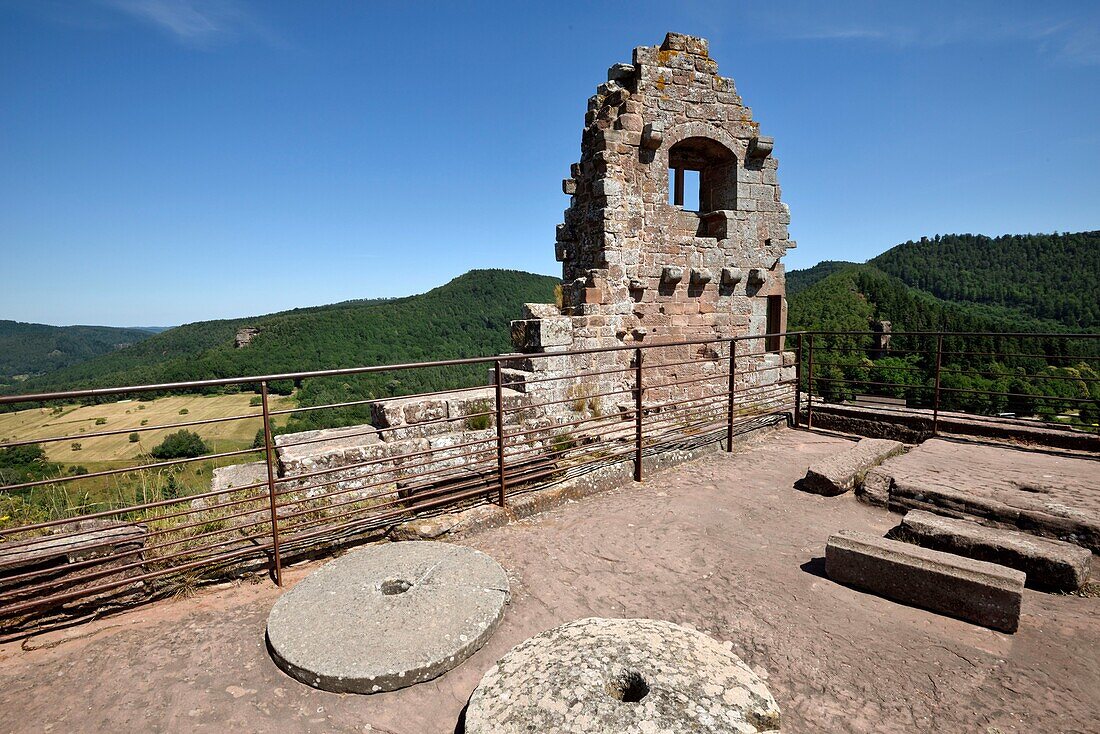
(1050, 565)
(974, 591)
(842, 471)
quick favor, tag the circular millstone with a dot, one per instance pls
(619, 675)
(387, 616)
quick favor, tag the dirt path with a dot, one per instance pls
(724, 544)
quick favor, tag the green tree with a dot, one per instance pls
(182, 444)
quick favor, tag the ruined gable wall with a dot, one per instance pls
(638, 270)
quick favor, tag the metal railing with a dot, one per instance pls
(145, 527)
(415, 439)
(1047, 379)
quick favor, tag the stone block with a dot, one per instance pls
(701, 276)
(620, 73)
(569, 186)
(653, 134)
(541, 311)
(1050, 565)
(840, 472)
(974, 591)
(693, 45)
(759, 148)
(537, 334)
(732, 276)
(672, 274)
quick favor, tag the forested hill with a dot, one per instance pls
(1052, 277)
(467, 317)
(958, 283)
(31, 349)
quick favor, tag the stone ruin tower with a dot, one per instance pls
(675, 228)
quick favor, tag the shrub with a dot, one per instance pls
(101, 421)
(145, 422)
(134, 438)
(180, 445)
(255, 402)
(479, 422)
(281, 387)
(75, 446)
(184, 411)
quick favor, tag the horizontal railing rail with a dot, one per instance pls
(114, 520)
(98, 516)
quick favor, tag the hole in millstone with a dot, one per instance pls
(628, 686)
(395, 586)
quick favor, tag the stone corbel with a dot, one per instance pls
(653, 134)
(732, 276)
(757, 277)
(759, 148)
(672, 274)
(701, 276)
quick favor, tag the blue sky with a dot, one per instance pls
(170, 161)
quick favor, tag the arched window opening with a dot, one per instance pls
(702, 176)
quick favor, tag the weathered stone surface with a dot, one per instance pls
(114, 550)
(387, 616)
(621, 675)
(976, 591)
(1044, 494)
(1050, 565)
(294, 447)
(845, 470)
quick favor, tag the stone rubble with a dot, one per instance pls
(845, 470)
(1050, 565)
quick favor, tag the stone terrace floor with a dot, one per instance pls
(724, 544)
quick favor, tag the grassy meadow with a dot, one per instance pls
(135, 416)
(82, 494)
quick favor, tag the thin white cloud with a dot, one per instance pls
(199, 23)
(1073, 41)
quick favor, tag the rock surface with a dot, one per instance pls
(843, 471)
(1050, 565)
(976, 591)
(621, 675)
(1043, 494)
(387, 616)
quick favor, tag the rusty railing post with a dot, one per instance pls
(732, 390)
(499, 431)
(798, 383)
(499, 384)
(638, 414)
(936, 394)
(269, 450)
(810, 385)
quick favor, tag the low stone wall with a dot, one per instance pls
(914, 426)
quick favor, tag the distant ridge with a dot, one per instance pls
(32, 349)
(958, 283)
(466, 317)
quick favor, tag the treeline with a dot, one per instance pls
(1053, 277)
(1057, 378)
(468, 317)
(31, 349)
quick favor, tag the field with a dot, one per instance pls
(77, 494)
(132, 416)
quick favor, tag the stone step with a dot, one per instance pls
(976, 591)
(841, 472)
(1050, 565)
